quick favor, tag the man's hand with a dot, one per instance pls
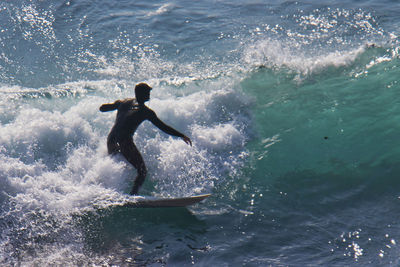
(187, 140)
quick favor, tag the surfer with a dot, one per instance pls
(131, 113)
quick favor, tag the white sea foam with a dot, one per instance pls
(179, 169)
(220, 137)
(54, 162)
(36, 134)
(160, 10)
(316, 40)
(57, 159)
(280, 54)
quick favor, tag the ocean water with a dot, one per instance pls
(292, 107)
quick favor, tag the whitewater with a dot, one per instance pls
(292, 107)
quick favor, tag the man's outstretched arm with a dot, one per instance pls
(110, 106)
(168, 129)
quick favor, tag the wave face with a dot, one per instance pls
(292, 108)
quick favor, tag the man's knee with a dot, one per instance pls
(112, 148)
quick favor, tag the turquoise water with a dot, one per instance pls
(292, 108)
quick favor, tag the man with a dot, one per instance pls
(131, 113)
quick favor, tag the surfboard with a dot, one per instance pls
(155, 202)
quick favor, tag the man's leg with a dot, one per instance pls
(112, 146)
(132, 154)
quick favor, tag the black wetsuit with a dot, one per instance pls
(130, 115)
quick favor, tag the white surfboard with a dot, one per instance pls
(155, 202)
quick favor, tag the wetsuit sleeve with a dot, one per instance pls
(109, 107)
(162, 126)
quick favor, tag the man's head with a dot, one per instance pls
(142, 92)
